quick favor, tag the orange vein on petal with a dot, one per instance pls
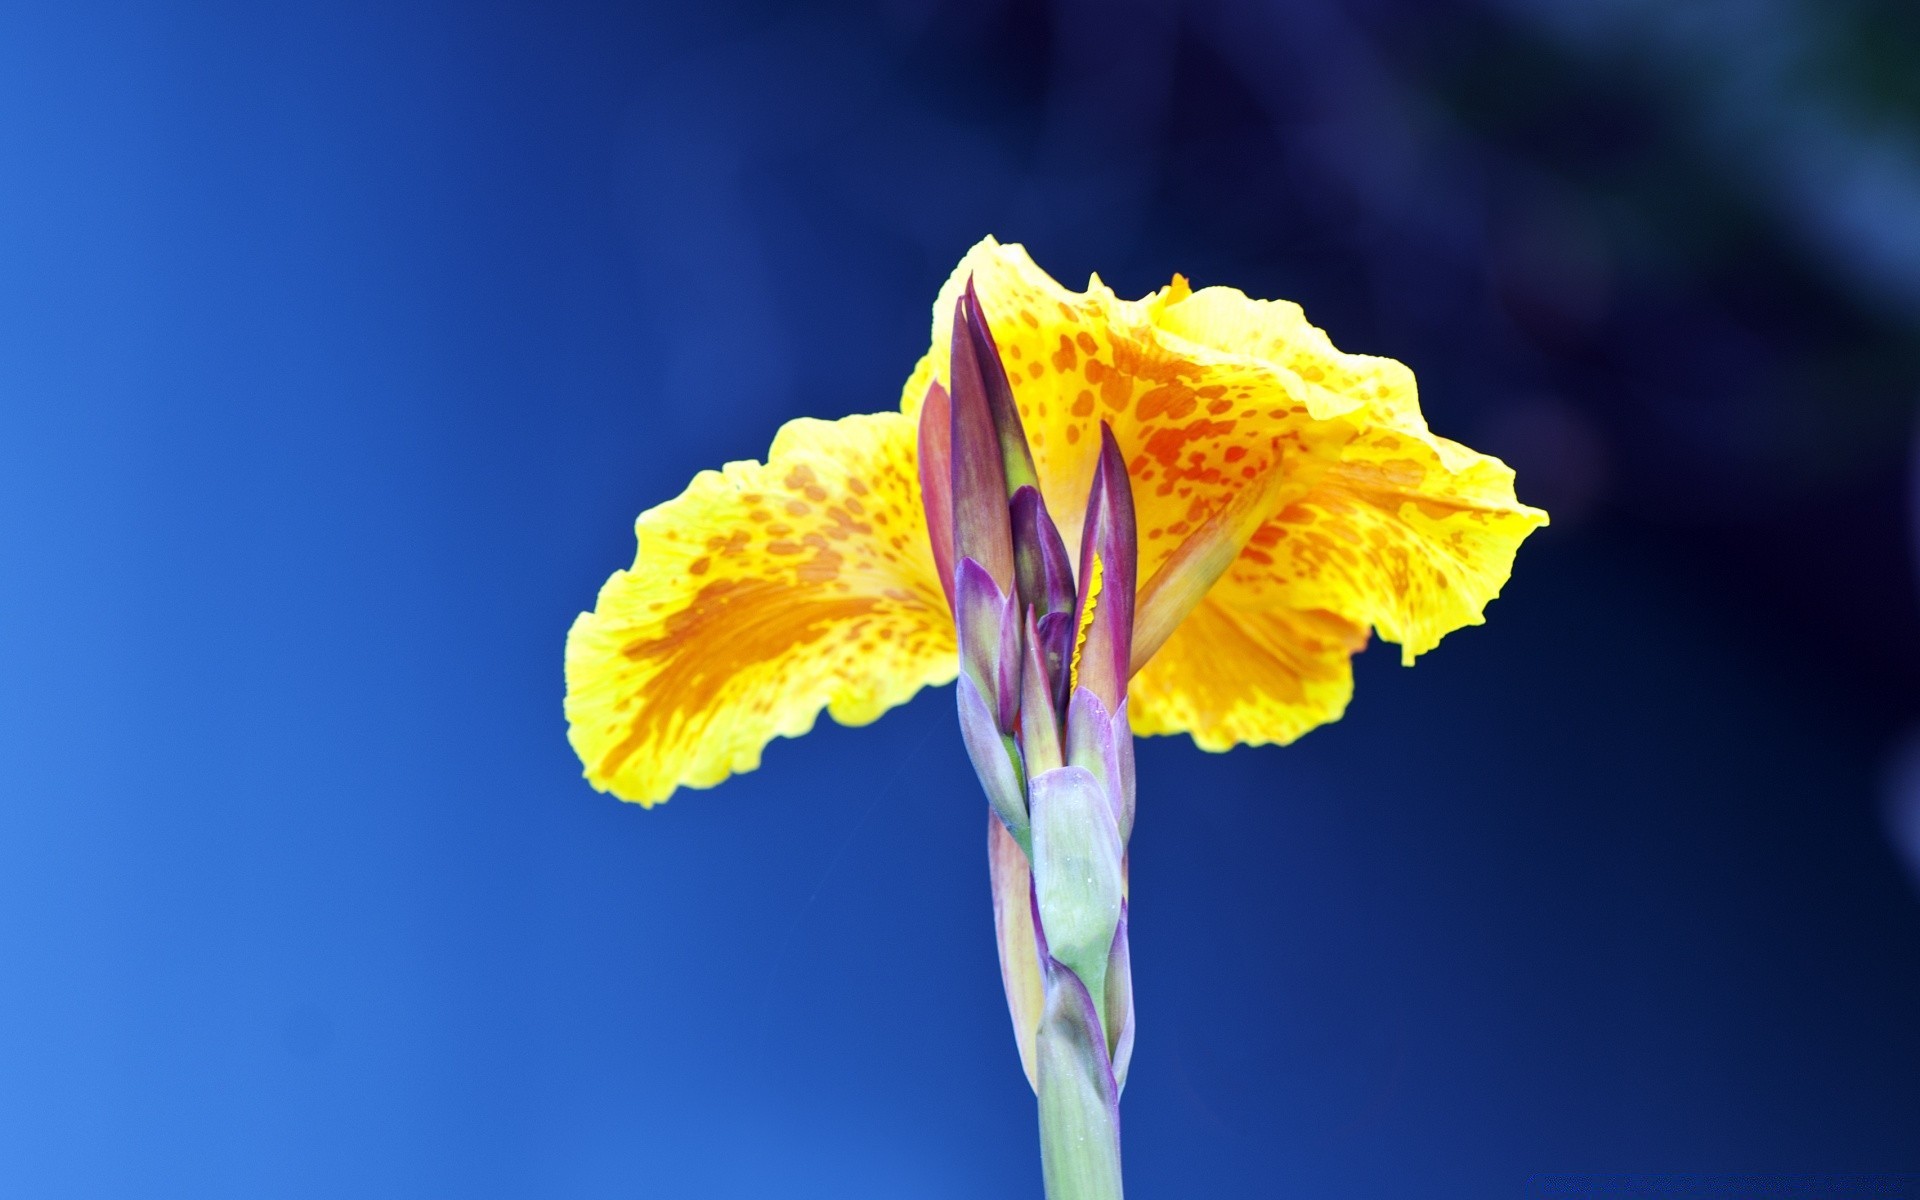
(760, 595)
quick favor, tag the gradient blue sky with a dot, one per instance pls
(339, 346)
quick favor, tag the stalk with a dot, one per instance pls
(1077, 862)
(1079, 1102)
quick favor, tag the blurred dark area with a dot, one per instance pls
(340, 344)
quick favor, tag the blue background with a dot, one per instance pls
(340, 344)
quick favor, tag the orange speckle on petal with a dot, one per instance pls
(1171, 399)
(1065, 358)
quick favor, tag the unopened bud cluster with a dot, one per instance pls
(1045, 649)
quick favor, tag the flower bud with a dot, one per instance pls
(1109, 555)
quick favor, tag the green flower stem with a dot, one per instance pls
(1079, 1104)
(1078, 884)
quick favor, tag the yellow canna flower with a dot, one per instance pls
(1289, 498)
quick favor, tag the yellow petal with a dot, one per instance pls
(1391, 526)
(1232, 676)
(1376, 523)
(758, 596)
(1408, 533)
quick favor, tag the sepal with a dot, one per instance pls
(1075, 852)
(1118, 1009)
(994, 759)
(1013, 933)
(986, 618)
(1095, 741)
(1123, 750)
(1079, 1099)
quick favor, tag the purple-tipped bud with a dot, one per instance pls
(936, 481)
(981, 530)
(976, 356)
(1040, 562)
(1109, 556)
